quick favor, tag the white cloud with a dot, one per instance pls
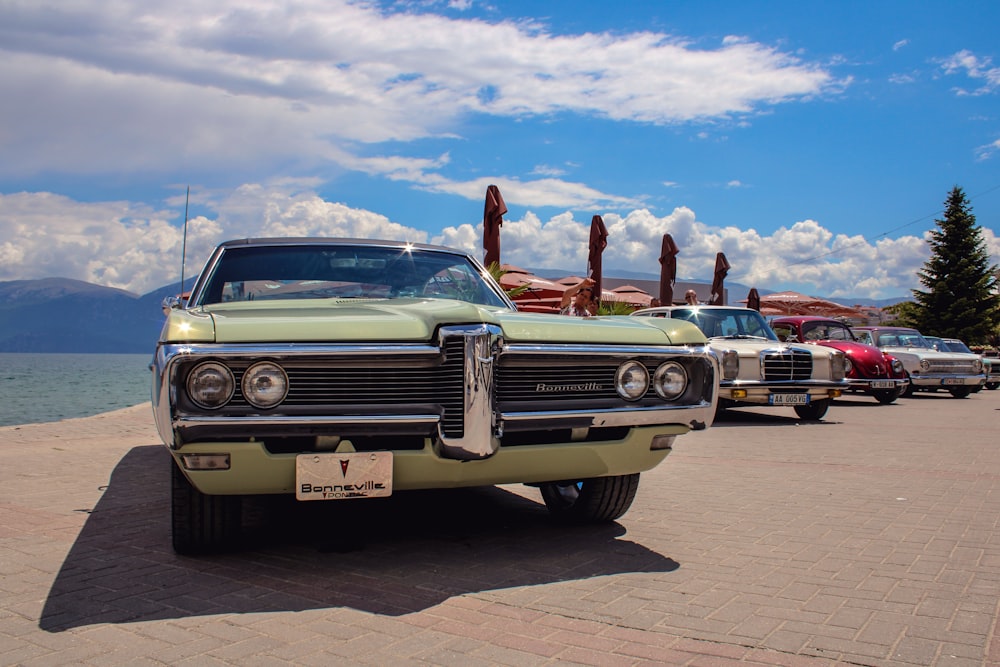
(237, 85)
(987, 151)
(900, 44)
(138, 247)
(976, 68)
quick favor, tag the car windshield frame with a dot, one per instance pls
(726, 322)
(956, 346)
(343, 270)
(825, 327)
(901, 338)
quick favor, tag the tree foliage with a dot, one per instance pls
(498, 273)
(906, 313)
(961, 298)
(609, 307)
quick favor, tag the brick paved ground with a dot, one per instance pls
(869, 539)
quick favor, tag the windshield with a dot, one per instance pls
(902, 339)
(826, 331)
(342, 271)
(957, 346)
(726, 322)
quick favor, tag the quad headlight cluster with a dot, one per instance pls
(669, 380)
(210, 385)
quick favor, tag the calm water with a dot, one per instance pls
(49, 387)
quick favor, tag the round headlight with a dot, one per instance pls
(265, 385)
(925, 365)
(848, 366)
(670, 380)
(632, 380)
(897, 366)
(977, 365)
(210, 385)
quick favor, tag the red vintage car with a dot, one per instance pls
(868, 368)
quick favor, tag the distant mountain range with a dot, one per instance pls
(64, 315)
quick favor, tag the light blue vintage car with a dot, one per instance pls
(337, 369)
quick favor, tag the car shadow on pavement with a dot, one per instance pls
(749, 417)
(391, 556)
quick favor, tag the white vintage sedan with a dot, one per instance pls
(758, 368)
(929, 369)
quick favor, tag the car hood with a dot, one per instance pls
(405, 320)
(754, 346)
(923, 353)
(855, 350)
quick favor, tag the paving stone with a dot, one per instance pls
(863, 539)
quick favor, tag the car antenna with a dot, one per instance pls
(187, 200)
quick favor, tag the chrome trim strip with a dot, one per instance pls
(282, 350)
(782, 384)
(638, 416)
(624, 351)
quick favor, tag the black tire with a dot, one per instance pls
(908, 392)
(992, 385)
(960, 392)
(202, 523)
(814, 411)
(885, 396)
(596, 500)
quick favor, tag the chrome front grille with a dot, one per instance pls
(789, 364)
(371, 385)
(952, 367)
(556, 382)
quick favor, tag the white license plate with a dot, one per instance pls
(883, 384)
(788, 399)
(343, 476)
(952, 381)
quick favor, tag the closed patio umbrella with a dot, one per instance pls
(668, 269)
(753, 299)
(493, 213)
(598, 242)
(721, 269)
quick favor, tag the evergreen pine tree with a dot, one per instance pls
(961, 299)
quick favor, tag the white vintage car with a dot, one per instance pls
(757, 367)
(929, 370)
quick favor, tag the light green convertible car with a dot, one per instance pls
(339, 369)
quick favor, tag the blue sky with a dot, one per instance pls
(813, 143)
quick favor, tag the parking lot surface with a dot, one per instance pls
(870, 538)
